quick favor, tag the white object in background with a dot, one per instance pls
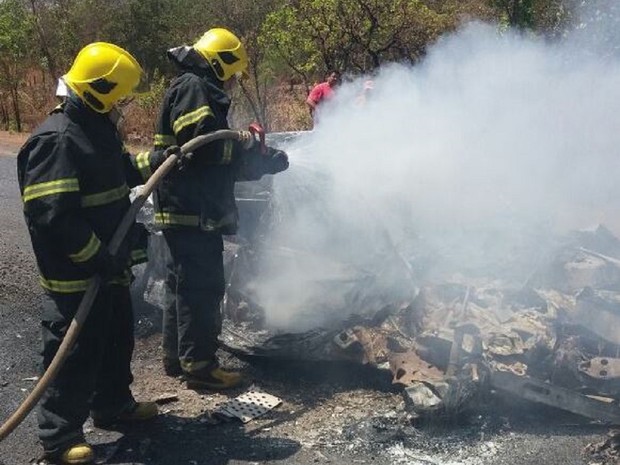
(61, 88)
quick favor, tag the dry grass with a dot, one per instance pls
(286, 110)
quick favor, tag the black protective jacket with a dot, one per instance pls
(74, 176)
(202, 194)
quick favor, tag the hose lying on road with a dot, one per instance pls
(91, 292)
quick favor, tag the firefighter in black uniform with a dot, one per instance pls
(196, 206)
(74, 177)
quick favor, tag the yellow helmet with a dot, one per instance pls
(102, 74)
(224, 52)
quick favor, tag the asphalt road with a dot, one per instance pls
(500, 435)
(19, 331)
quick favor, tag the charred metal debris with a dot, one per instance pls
(552, 340)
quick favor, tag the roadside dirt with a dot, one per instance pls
(9, 141)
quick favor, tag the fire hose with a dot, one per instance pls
(123, 228)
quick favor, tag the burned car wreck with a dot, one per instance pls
(448, 330)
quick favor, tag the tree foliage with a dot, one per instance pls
(288, 41)
(15, 44)
(546, 16)
(354, 36)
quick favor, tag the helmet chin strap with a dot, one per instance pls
(116, 116)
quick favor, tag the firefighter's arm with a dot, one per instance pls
(50, 188)
(140, 167)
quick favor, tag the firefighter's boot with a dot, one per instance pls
(133, 413)
(81, 453)
(172, 367)
(212, 377)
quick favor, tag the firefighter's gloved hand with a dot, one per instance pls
(279, 160)
(107, 265)
(115, 265)
(183, 159)
(172, 150)
(137, 237)
(247, 140)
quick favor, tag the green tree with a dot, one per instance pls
(517, 13)
(42, 39)
(352, 35)
(286, 42)
(549, 17)
(290, 42)
(245, 18)
(65, 26)
(145, 29)
(15, 44)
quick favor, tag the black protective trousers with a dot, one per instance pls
(195, 279)
(96, 375)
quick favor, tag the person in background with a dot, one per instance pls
(322, 92)
(196, 206)
(74, 177)
(365, 94)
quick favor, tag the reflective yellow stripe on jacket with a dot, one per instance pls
(164, 218)
(144, 165)
(43, 189)
(164, 139)
(191, 118)
(105, 197)
(88, 251)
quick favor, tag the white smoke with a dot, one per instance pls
(486, 148)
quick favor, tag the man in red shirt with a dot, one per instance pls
(321, 92)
